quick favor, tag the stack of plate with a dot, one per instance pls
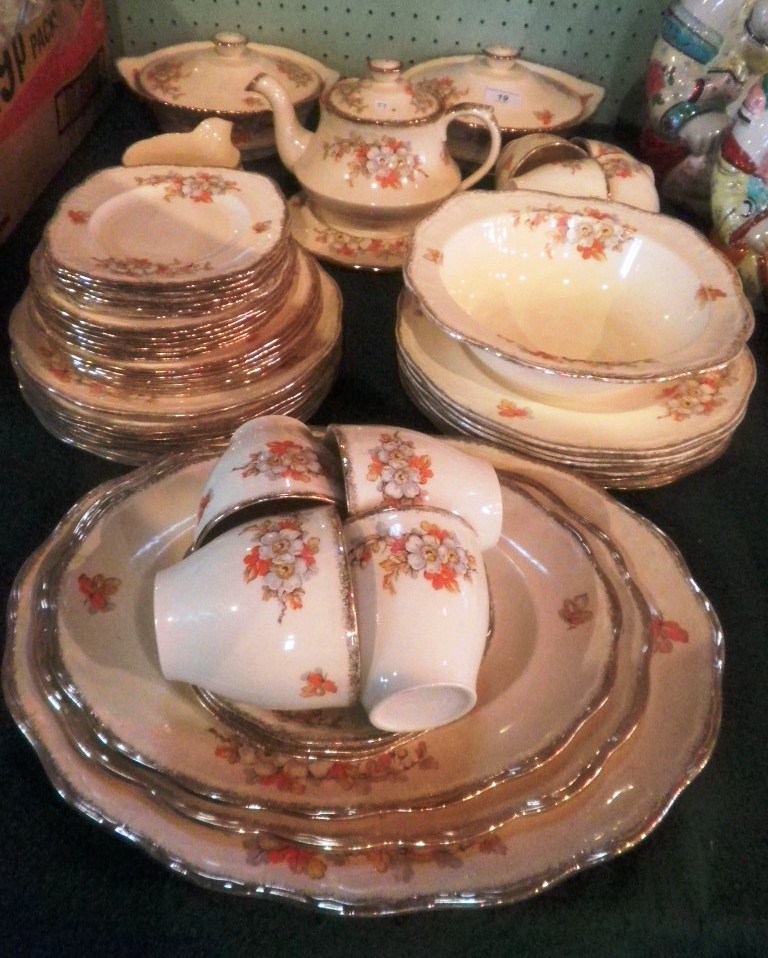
(168, 305)
(602, 647)
(649, 436)
(582, 332)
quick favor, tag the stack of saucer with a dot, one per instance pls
(581, 332)
(168, 305)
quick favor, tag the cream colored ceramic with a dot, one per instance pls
(422, 602)
(209, 144)
(271, 462)
(378, 160)
(189, 81)
(264, 614)
(395, 467)
(620, 807)
(166, 225)
(375, 251)
(578, 167)
(568, 644)
(586, 288)
(626, 443)
(526, 97)
(629, 181)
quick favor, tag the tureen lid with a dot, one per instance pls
(383, 97)
(218, 77)
(523, 96)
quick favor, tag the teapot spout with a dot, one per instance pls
(290, 136)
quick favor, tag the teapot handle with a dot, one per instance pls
(486, 116)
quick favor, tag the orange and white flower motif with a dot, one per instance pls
(389, 161)
(696, 396)
(199, 187)
(428, 552)
(283, 459)
(590, 232)
(283, 556)
(399, 472)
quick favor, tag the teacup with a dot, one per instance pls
(401, 467)
(264, 614)
(423, 612)
(270, 460)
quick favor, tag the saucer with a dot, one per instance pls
(377, 252)
(620, 807)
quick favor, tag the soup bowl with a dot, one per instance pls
(584, 288)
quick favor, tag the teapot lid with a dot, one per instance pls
(218, 77)
(384, 97)
(524, 96)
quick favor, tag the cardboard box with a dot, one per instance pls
(53, 83)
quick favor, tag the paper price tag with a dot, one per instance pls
(501, 97)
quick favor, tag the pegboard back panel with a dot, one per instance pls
(604, 41)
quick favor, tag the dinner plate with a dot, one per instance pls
(69, 385)
(669, 746)
(168, 224)
(550, 665)
(647, 473)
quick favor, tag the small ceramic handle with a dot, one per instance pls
(486, 116)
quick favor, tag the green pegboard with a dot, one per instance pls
(604, 41)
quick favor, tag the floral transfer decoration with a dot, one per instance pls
(165, 77)
(400, 863)
(295, 72)
(283, 459)
(199, 187)
(140, 267)
(511, 410)
(317, 684)
(347, 246)
(388, 161)
(429, 552)
(97, 591)
(283, 557)
(399, 472)
(695, 396)
(444, 88)
(576, 611)
(78, 217)
(297, 776)
(593, 233)
(666, 633)
(708, 294)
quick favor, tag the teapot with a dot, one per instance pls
(379, 160)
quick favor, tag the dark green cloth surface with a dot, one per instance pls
(697, 886)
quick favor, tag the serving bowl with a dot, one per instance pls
(526, 97)
(584, 288)
(185, 83)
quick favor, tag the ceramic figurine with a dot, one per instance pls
(703, 61)
(740, 192)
